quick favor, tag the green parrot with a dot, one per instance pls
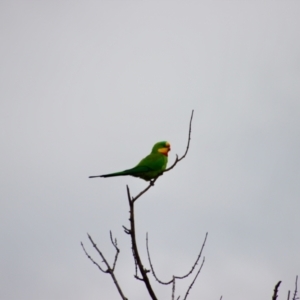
(149, 167)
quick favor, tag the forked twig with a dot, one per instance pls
(177, 277)
(295, 292)
(151, 184)
(109, 270)
(91, 259)
(191, 285)
(115, 244)
(296, 289)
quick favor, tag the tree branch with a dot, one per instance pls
(109, 269)
(178, 277)
(296, 289)
(177, 160)
(115, 244)
(275, 294)
(191, 285)
(91, 259)
(135, 252)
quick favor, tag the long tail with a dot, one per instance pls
(123, 173)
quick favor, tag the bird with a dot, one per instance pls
(149, 167)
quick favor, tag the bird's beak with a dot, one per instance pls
(168, 146)
(165, 150)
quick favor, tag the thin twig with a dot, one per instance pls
(115, 244)
(296, 289)
(221, 298)
(173, 288)
(145, 190)
(176, 277)
(100, 253)
(91, 259)
(191, 285)
(109, 269)
(196, 262)
(152, 268)
(275, 294)
(177, 160)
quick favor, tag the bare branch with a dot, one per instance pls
(191, 285)
(177, 160)
(100, 253)
(275, 294)
(173, 280)
(128, 195)
(152, 269)
(109, 269)
(135, 265)
(135, 252)
(91, 259)
(221, 298)
(115, 244)
(126, 230)
(174, 277)
(145, 190)
(173, 284)
(196, 262)
(296, 289)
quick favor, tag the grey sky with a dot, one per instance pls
(87, 87)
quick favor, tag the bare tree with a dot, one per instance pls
(141, 272)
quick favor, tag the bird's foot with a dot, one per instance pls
(152, 182)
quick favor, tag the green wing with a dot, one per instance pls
(154, 161)
(148, 168)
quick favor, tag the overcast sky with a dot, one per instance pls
(87, 87)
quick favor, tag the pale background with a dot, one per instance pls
(87, 87)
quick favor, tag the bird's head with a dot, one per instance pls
(162, 147)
